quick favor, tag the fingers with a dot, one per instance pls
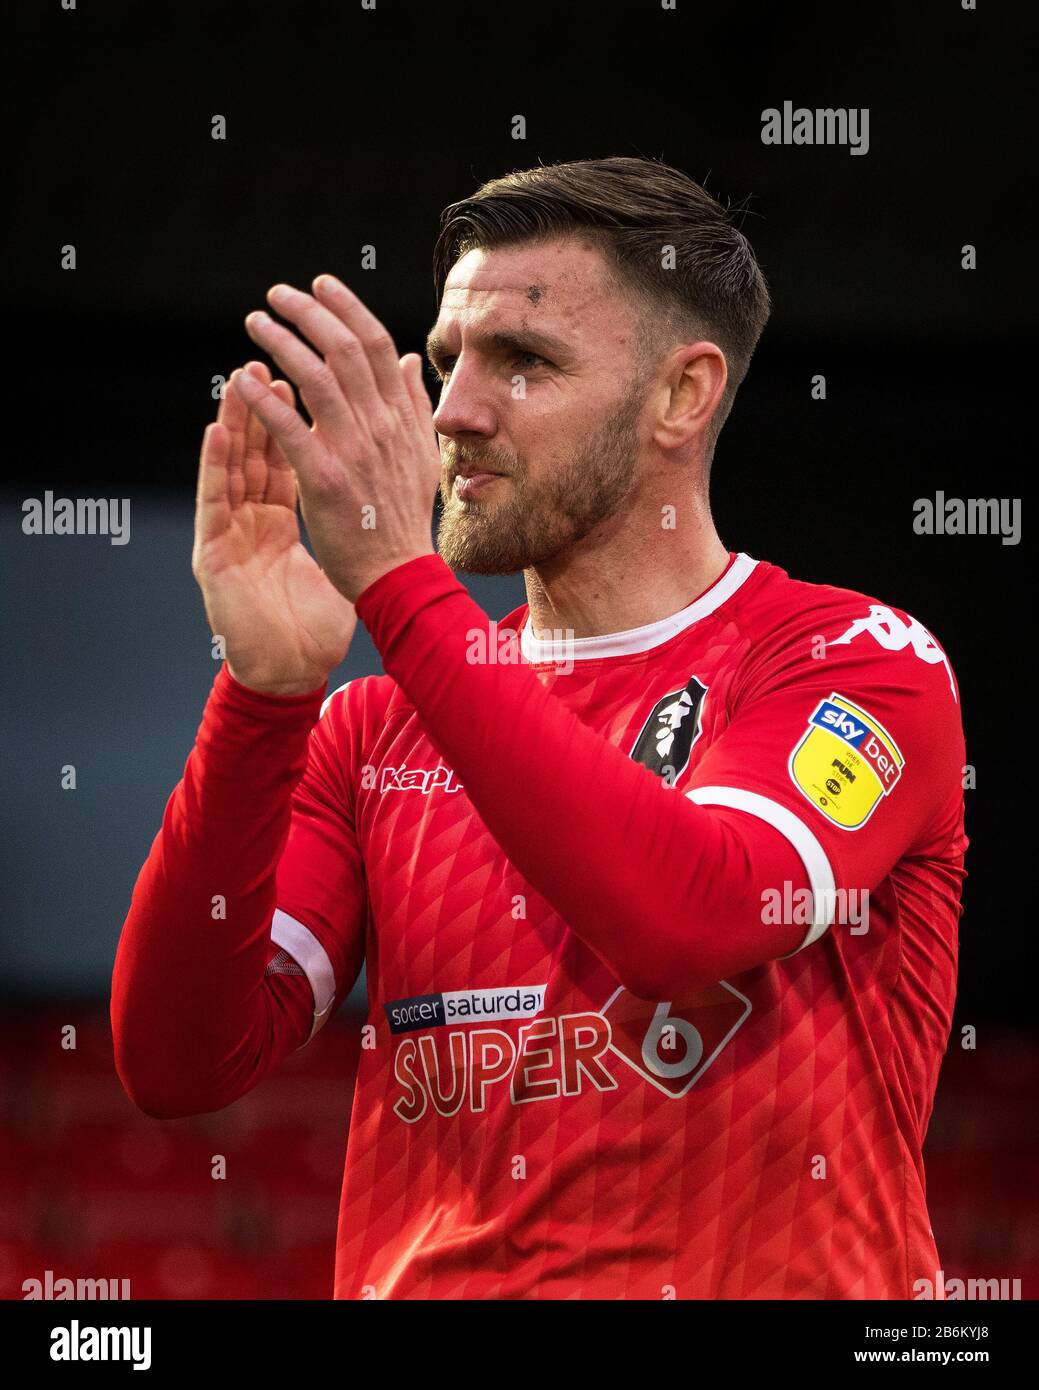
(241, 460)
(212, 505)
(281, 481)
(346, 353)
(411, 372)
(234, 416)
(221, 483)
(347, 372)
(254, 449)
(361, 323)
(317, 383)
(353, 343)
(280, 418)
(231, 411)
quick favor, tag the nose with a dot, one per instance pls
(464, 407)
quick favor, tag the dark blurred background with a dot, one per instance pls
(346, 128)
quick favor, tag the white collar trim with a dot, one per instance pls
(636, 639)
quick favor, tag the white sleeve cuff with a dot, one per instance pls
(812, 854)
(331, 696)
(308, 952)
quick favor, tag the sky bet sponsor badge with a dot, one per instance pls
(845, 762)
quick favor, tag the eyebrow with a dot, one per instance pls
(519, 340)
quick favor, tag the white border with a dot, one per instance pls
(329, 697)
(307, 951)
(792, 828)
(701, 1066)
(636, 639)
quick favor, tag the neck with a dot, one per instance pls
(629, 572)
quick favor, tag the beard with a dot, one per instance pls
(536, 519)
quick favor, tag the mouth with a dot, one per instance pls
(472, 485)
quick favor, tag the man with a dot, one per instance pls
(658, 900)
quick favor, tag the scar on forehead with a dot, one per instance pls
(534, 293)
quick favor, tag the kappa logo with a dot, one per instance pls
(894, 635)
(419, 779)
(665, 744)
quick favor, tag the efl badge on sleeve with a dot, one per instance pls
(846, 762)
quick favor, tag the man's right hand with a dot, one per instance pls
(285, 626)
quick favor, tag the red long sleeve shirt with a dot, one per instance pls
(578, 874)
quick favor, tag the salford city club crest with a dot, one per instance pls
(666, 741)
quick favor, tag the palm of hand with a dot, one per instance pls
(285, 625)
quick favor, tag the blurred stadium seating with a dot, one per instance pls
(91, 1188)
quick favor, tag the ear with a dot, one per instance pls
(697, 375)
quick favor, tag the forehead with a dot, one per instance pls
(560, 286)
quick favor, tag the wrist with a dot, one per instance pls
(286, 689)
(363, 582)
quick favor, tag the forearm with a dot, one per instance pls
(667, 893)
(195, 1019)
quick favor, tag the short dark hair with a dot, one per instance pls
(632, 210)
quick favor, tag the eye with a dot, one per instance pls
(536, 356)
(443, 366)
